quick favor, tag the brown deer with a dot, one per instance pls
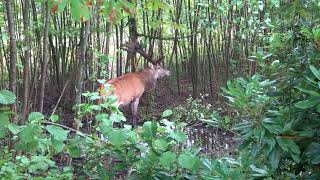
(129, 87)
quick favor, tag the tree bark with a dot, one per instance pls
(83, 48)
(13, 53)
(27, 53)
(45, 58)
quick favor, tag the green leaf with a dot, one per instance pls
(189, 161)
(13, 128)
(102, 117)
(117, 137)
(315, 71)
(308, 103)
(7, 97)
(160, 145)
(149, 130)
(288, 145)
(167, 159)
(167, 113)
(79, 10)
(179, 136)
(35, 117)
(117, 117)
(318, 108)
(272, 125)
(274, 157)
(40, 163)
(54, 118)
(29, 137)
(313, 153)
(74, 151)
(4, 122)
(276, 3)
(106, 127)
(57, 132)
(311, 92)
(57, 145)
(259, 172)
(95, 107)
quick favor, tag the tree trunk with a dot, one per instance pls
(13, 53)
(83, 48)
(27, 53)
(45, 58)
(133, 37)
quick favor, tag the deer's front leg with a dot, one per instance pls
(134, 109)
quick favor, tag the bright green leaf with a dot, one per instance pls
(179, 136)
(315, 71)
(57, 145)
(35, 117)
(4, 122)
(308, 103)
(117, 137)
(7, 97)
(116, 117)
(13, 128)
(167, 113)
(57, 132)
(167, 159)
(189, 161)
(54, 118)
(74, 151)
(160, 145)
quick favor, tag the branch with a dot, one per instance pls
(64, 88)
(171, 38)
(66, 127)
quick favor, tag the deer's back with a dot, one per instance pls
(128, 87)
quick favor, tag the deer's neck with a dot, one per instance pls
(150, 78)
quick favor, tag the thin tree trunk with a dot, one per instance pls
(26, 22)
(83, 48)
(2, 68)
(13, 53)
(45, 58)
(133, 37)
(108, 29)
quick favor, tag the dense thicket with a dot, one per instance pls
(49, 48)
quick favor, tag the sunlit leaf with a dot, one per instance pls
(7, 97)
(189, 161)
(167, 113)
(57, 132)
(35, 117)
(167, 159)
(308, 103)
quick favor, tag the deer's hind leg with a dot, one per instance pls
(134, 110)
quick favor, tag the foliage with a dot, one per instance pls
(194, 110)
(197, 112)
(278, 110)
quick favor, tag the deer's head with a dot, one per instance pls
(155, 66)
(158, 70)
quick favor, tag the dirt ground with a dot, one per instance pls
(212, 141)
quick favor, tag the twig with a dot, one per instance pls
(69, 128)
(289, 137)
(172, 38)
(64, 88)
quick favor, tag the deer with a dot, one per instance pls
(129, 87)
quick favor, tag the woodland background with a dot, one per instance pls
(257, 60)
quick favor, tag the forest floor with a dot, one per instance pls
(213, 141)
